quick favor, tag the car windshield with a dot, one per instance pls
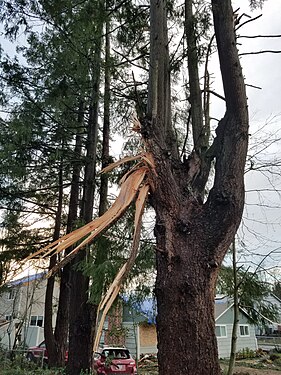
(116, 353)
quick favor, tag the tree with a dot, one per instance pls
(194, 225)
(193, 234)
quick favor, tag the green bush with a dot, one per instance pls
(246, 353)
(16, 364)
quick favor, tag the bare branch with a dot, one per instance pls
(259, 52)
(244, 23)
(214, 93)
(259, 36)
(255, 87)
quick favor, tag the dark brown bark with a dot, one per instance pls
(194, 85)
(83, 313)
(199, 162)
(53, 358)
(56, 340)
(106, 123)
(62, 320)
(192, 235)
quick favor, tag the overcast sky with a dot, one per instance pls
(261, 227)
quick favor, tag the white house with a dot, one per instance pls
(22, 311)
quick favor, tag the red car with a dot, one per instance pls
(39, 353)
(114, 361)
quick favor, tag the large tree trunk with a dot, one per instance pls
(193, 235)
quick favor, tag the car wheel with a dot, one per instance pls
(30, 357)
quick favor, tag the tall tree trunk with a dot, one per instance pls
(106, 123)
(192, 235)
(53, 360)
(82, 314)
(62, 320)
(103, 243)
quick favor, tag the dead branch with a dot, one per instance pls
(244, 23)
(259, 52)
(255, 87)
(214, 93)
(259, 36)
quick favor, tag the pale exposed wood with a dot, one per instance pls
(114, 288)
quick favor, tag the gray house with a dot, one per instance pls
(139, 326)
(246, 336)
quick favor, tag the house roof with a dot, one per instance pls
(145, 307)
(27, 279)
(148, 308)
(221, 308)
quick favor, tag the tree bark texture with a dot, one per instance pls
(193, 234)
(62, 320)
(54, 359)
(83, 313)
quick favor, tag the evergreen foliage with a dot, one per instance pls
(252, 294)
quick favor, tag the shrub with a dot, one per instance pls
(246, 353)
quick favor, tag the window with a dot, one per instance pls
(244, 330)
(11, 294)
(8, 317)
(36, 320)
(221, 331)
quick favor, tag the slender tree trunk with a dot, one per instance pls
(106, 123)
(193, 235)
(82, 314)
(103, 244)
(235, 313)
(53, 360)
(62, 320)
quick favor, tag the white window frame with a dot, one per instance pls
(9, 317)
(244, 326)
(11, 294)
(224, 326)
(36, 319)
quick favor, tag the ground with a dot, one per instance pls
(238, 371)
(268, 364)
(251, 371)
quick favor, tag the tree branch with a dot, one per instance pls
(258, 52)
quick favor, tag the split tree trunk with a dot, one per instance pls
(193, 235)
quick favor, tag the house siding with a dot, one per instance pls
(243, 342)
(224, 343)
(131, 338)
(29, 300)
